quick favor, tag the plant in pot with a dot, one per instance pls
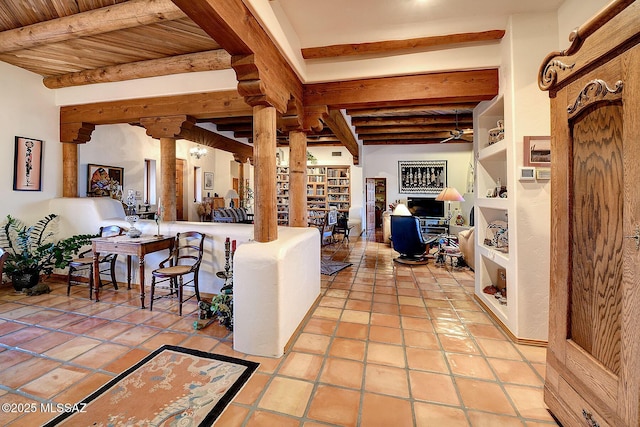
(33, 250)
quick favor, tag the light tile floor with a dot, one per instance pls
(387, 345)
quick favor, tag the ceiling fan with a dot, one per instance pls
(457, 133)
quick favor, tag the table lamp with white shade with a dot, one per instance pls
(231, 194)
(449, 194)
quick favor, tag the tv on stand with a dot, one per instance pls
(425, 207)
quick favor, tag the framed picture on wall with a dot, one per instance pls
(537, 151)
(27, 165)
(422, 176)
(103, 180)
(208, 180)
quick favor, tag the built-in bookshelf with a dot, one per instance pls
(282, 194)
(327, 186)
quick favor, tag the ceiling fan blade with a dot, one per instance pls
(448, 139)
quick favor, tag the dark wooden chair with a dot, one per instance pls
(326, 226)
(3, 256)
(84, 264)
(184, 260)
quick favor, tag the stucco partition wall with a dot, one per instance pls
(277, 285)
(87, 215)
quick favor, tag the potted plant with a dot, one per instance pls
(33, 250)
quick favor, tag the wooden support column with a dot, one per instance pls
(241, 185)
(297, 179)
(168, 174)
(264, 155)
(69, 169)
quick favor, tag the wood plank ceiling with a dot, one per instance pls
(78, 42)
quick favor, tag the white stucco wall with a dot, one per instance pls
(27, 109)
(381, 161)
(574, 13)
(530, 38)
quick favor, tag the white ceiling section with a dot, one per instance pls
(296, 24)
(358, 21)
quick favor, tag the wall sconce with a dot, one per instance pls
(198, 152)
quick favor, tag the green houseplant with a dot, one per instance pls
(33, 250)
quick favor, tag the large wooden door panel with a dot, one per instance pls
(593, 359)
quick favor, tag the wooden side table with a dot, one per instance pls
(124, 245)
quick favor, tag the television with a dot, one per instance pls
(426, 207)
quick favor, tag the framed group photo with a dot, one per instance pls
(422, 176)
(27, 165)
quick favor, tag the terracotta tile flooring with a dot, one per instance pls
(387, 345)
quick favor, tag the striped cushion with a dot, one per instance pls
(236, 214)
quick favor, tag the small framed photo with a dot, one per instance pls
(537, 151)
(27, 165)
(208, 180)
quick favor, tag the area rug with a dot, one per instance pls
(330, 267)
(173, 386)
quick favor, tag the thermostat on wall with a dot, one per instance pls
(543, 173)
(527, 173)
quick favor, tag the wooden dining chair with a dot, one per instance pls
(84, 264)
(184, 260)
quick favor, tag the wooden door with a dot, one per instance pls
(593, 369)
(381, 199)
(370, 204)
(180, 165)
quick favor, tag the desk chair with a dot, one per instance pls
(185, 259)
(85, 264)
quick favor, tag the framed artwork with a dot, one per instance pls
(208, 180)
(537, 151)
(27, 165)
(102, 180)
(422, 176)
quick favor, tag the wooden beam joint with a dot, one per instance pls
(78, 133)
(168, 126)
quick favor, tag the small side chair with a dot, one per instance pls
(84, 263)
(184, 260)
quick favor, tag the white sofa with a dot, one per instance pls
(466, 241)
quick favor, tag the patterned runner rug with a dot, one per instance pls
(329, 267)
(172, 386)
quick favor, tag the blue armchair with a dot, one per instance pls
(407, 239)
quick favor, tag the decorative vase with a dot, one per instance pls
(25, 279)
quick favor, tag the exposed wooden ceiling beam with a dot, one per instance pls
(217, 59)
(416, 110)
(374, 130)
(401, 136)
(396, 45)
(411, 121)
(336, 121)
(264, 76)
(132, 13)
(214, 140)
(462, 86)
(415, 141)
(198, 105)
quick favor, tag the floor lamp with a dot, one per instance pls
(449, 194)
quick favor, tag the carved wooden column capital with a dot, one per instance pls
(258, 85)
(76, 132)
(167, 126)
